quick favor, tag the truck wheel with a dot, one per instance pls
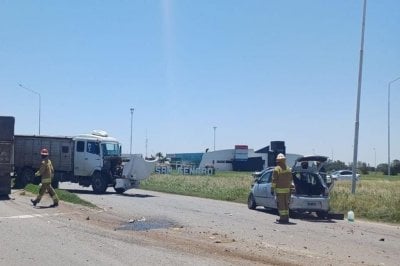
(25, 177)
(55, 183)
(99, 184)
(251, 203)
(119, 190)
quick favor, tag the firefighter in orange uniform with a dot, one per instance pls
(281, 183)
(46, 171)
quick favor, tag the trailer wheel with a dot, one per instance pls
(99, 183)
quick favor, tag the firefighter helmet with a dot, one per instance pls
(280, 157)
(44, 152)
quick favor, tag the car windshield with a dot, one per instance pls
(110, 149)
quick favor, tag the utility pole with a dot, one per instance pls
(214, 136)
(146, 142)
(130, 150)
(357, 123)
(390, 83)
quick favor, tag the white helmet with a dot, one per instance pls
(280, 157)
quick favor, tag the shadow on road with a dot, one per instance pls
(43, 207)
(137, 195)
(308, 217)
(89, 192)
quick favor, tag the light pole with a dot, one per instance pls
(214, 136)
(357, 123)
(375, 159)
(390, 83)
(130, 150)
(40, 100)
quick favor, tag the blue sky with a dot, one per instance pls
(257, 70)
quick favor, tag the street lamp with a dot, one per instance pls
(40, 100)
(375, 159)
(214, 136)
(130, 150)
(390, 83)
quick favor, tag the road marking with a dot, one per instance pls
(28, 216)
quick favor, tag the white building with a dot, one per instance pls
(224, 160)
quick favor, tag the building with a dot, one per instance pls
(241, 158)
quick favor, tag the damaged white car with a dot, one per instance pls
(310, 187)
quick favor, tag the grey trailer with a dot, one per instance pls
(27, 157)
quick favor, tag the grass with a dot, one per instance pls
(63, 195)
(229, 186)
(377, 197)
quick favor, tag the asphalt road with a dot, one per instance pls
(147, 228)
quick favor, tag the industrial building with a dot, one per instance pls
(240, 158)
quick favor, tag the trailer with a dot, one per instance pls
(88, 159)
(6, 153)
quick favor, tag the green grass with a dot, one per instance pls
(229, 186)
(63, 195)
(377, 197)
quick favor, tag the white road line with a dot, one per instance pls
(28, 216)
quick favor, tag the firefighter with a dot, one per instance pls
(46, 171)
(281, 182)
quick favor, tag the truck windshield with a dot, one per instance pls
(110, 149)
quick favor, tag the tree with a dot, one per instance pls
(395, 167)
(382, 167)
(335, 165)
(363, 168)
(161, 157)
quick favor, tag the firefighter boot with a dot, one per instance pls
(34, 202)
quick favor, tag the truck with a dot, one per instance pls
(6, 153)
(93, 159)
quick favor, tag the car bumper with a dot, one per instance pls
(301, 203)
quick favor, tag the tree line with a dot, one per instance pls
(364, 168)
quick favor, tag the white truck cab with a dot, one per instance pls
(90, 150)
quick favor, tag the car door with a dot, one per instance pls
(260, 189)
(270, 199)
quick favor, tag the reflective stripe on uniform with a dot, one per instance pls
(283, 212)
(46, 180)
(282, 190)
(273, 185)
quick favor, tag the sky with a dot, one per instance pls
(257, 70)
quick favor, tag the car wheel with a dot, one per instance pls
(251, 203)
